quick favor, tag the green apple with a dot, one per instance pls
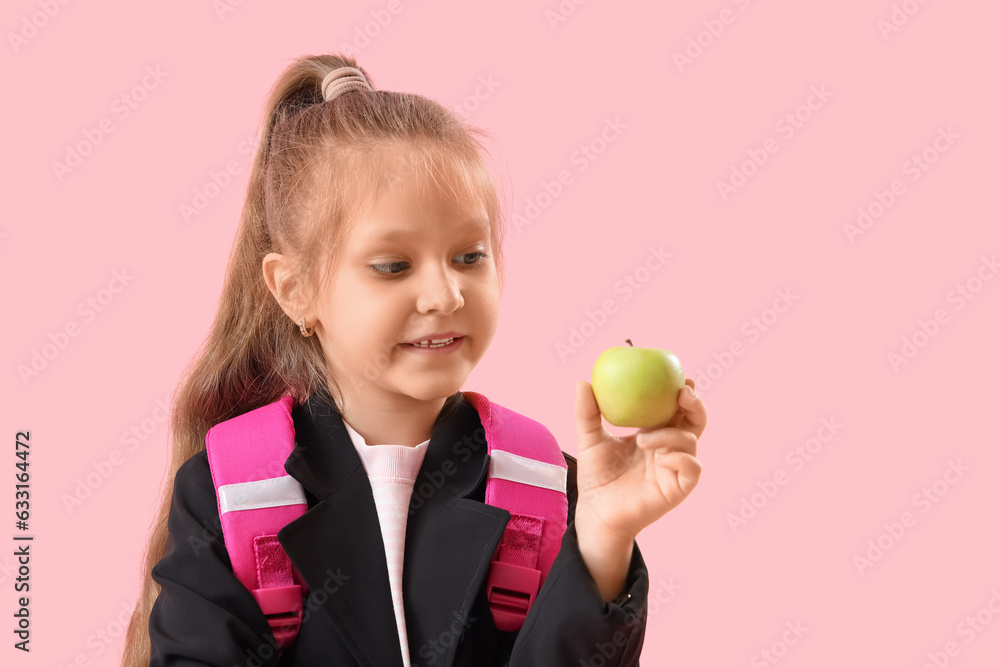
(637, 386)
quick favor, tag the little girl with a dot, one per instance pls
(365, 285)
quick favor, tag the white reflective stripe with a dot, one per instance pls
(504, 465)
(275, 492)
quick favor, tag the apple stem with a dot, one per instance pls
(629, 341)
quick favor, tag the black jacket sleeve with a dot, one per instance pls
(203, 614)
(570, 623)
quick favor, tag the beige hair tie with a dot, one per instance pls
(343, 79)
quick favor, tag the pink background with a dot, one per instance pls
(721, 595)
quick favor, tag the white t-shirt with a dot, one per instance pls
(392, 471)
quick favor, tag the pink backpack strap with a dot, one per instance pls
(256, 499)
(527, 477)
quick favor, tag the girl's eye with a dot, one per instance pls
(477, 257)
(387, 269)
(384, 269)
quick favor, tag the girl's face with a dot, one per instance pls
(414, 268)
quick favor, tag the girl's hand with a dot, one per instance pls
(624, 486)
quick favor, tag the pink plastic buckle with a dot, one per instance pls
(511, 590)
(283, 609)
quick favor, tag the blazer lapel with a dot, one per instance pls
(450, 538)
(337, 544)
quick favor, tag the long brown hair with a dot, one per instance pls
(318, 166)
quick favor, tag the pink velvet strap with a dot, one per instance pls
(521, 540)
(274, 567)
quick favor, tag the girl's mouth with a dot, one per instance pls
(436, 345)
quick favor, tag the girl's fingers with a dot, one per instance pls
(694, 409)
(687, 468)
(691, 414)
(670, 439)
(589, 429)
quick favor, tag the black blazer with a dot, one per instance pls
(205, 616)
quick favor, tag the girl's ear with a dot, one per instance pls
(281, 281)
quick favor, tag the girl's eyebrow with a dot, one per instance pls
(394, 233)
(390, 235)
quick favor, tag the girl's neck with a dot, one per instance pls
(408, 426)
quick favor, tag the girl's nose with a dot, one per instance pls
(440, 291)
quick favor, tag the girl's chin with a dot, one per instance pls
(433, 389)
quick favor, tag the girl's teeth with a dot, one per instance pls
(435, 342)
